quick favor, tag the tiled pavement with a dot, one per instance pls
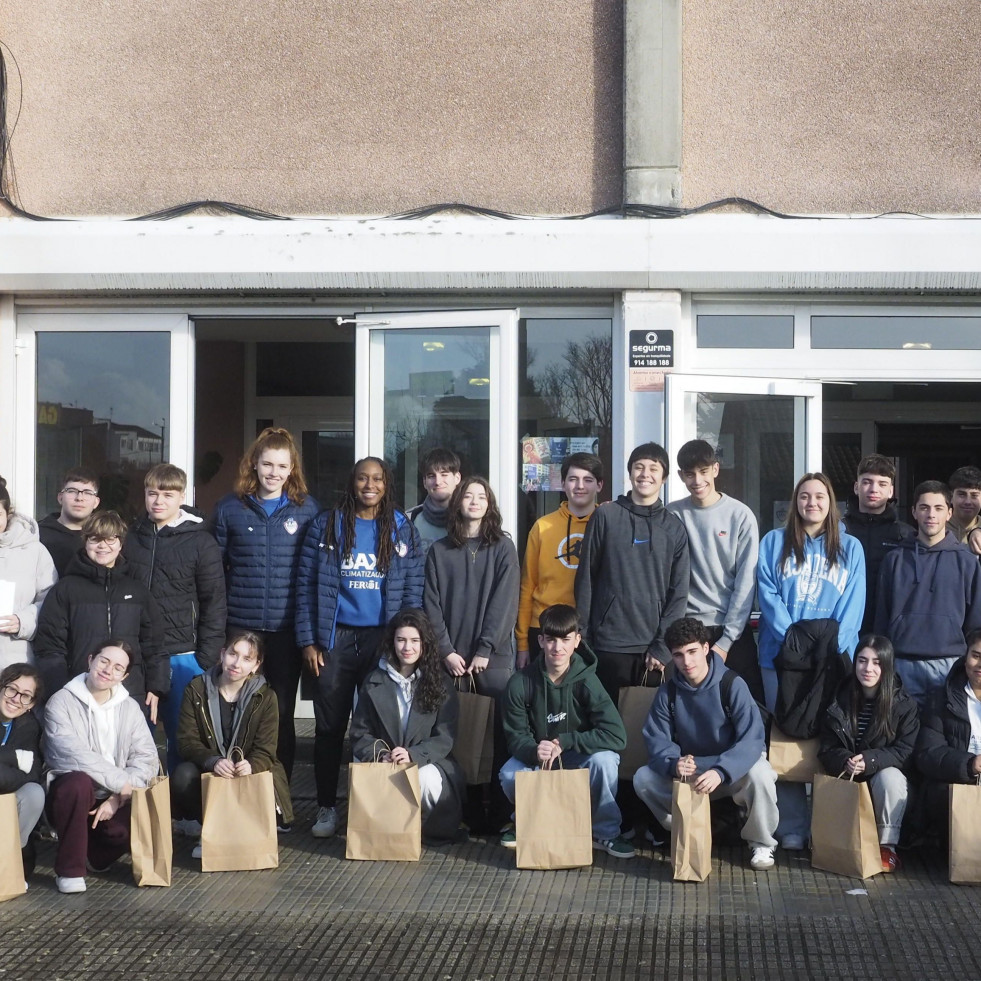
(466, 912)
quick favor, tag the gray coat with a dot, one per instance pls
(429, 738)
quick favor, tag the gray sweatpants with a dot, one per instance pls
(888, 790)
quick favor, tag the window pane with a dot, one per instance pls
(301, 368)
(754, 435)
(327, 459)
(565, 379)
(437, 393)
(749, 331)
(103, 403)
(897, 333)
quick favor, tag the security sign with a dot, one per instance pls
(651, 349)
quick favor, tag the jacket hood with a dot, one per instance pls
(948, 543)
(886, 517)
(927, 559)
(81, 565)
(642, 510)
(80, 690)
(20, 532)
(581, 664)
(642, 518)
(188, 521)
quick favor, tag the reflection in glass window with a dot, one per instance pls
(103, 402)
(897, 333)
(437, 393)
(744, 331)
(565, 379)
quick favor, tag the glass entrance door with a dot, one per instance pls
(767, 433)
(440, 379)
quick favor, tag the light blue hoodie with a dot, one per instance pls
(810, 591)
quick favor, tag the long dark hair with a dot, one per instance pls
(385, 516)
(430, 692)
(881, 725)
(794, 534)
(490, 525)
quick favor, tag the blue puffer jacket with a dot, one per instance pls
(261, 556)
(319, 579)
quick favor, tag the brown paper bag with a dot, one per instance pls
(12, 882)
(473, 748)
(965, 841)
(793, 760)
(691, 833)
(844, 837)
(150, 835)
(238, 831)
(553, 819)
(384, 812)
(634, 704)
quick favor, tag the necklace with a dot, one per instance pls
(473, 551)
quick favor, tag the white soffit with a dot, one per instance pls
(703, 253)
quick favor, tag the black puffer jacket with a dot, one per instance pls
(838, 743)
(24, 733)
(942, 749)
(181, 566)
(88, 607)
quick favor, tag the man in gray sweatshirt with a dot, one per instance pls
(724, 543)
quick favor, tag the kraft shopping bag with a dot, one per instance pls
(384, 812)
(691, 833)
(844, 837)
(473, 747)
(238, 830)
(553, 819)
(793, 760)
(12, 882)
(634, 704)
(965, 839)
(150, 834)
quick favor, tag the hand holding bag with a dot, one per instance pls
(691, 833)
(634, 705)
(965, 839)
(553, 818)
(151, 838)
(844, 837)
(12, 882)
(238, 832)
(384, 813)
(473, 747)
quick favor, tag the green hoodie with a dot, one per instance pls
(577, 711)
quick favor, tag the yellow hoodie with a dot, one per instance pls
(549, 572)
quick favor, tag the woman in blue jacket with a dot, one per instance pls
(260, 529)
(808, 570)
(361, 563)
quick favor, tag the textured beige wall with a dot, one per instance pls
(833, 105)
(316, 106)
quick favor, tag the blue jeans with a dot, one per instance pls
(603, 775)
(183, 667)
(923, 678)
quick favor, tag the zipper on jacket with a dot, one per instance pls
(109, 601)
(153, 559)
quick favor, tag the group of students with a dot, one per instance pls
(212, 624)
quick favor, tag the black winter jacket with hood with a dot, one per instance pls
(632, 579)
(181, 565)
(88, 607)
(943, 747)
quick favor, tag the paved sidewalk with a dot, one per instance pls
(465, 912)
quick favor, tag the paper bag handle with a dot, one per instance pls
(375, 754)
(233, 751)
(473, 684)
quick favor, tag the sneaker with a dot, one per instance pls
(628, 834)
(656, 835)
(508, 838)
(326, 824)
(70, 883)
(94, 868)
(761, 858)
(792, 843)
(891, 862)
(616, 847)
(196, 850)
(284, 827)
(187, 827)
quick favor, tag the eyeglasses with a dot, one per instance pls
(97, 540)
(78, 492)
(18, 696)
(116, 670)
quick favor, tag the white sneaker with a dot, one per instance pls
(188, 827)
(196, 850)
(762, 858)
(326, 824)
(70, 883)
